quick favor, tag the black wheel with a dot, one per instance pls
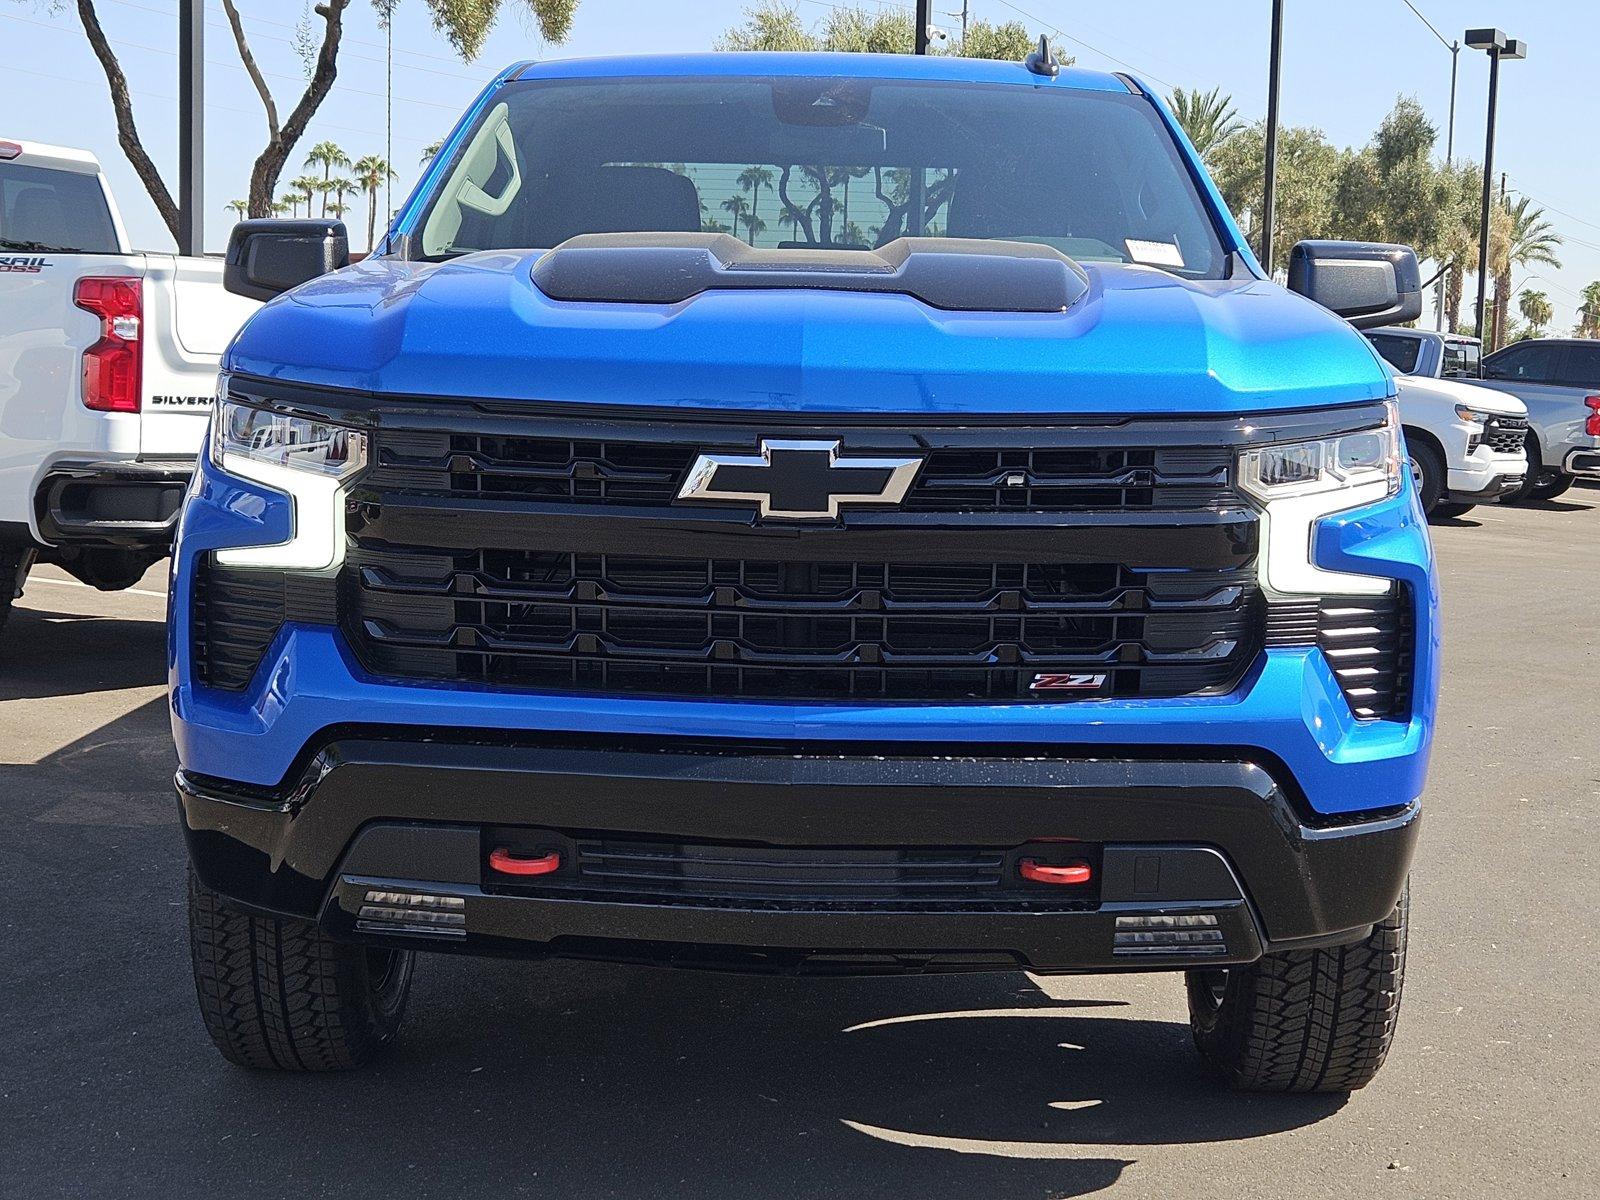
(1449, 508)
(1427, 473)
(1552, 488)
(1304, 1020)
(280, 995)
(1536, 477)
(14, 566)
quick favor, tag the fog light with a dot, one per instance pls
(413, 913)
(1195, 934)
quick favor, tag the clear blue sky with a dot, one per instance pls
(1344, 64)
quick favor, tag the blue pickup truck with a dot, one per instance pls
(807, 513)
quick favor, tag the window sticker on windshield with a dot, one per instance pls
(1155, 254)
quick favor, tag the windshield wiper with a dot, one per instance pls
(36, 247)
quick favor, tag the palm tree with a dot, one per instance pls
(239, 208)
(289, 203)
(341, 188)
(431, 151)
(752, 180)
(736, 207)
(1523, 238)
(1209, 118)
(755, 225)
(372, 172)
(1589, 314)
(1536, 311)
(327, 155)
(307, 186)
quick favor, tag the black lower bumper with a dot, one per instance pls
(124, 504)
(819, 858)
(1502, 485)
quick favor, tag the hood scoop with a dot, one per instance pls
(956, 274)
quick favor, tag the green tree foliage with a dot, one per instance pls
(1519, 237)
(372, 172)
(1536, 311)
(778, 25)
(1209, 118)
(1589, 313)
(465, 24)
(1308, 182)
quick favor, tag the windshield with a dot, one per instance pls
(45, 210)
(1461, 361)
(824, 163)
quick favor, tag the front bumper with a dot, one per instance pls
(378, 830)
(1485, 475)
(126, 504)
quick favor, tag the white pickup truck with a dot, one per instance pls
(108, 367)
(1466, 442)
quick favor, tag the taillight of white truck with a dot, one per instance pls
(113, 367)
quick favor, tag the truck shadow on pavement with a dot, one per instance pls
(563, 1079)
(65, 651)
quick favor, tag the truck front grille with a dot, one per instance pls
(1505, 435)
(798, 630)
(625, 471)
(542, 547)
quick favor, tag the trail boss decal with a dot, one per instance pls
(20, 264)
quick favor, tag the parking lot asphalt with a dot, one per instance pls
(583, 1080)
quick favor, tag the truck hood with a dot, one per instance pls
(1460, 392)
(1138, 341)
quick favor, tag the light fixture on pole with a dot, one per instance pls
(1498, 46)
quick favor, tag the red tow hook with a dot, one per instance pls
(1069, 873)
(507, 862)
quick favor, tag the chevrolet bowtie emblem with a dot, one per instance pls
(799, 480)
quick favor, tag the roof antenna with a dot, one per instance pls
(1041, 61)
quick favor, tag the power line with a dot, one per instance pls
(1086, 45)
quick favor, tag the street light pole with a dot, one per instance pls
(1270, 181)
(191, 126)
(1498, 46)
(924, 20)
(1450, 135)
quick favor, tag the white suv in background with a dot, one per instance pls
(108, 368)
(1467, 443)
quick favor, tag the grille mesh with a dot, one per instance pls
(951, 480)
(745, 628)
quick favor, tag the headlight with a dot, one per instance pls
(1333, 464)
(1473, 416)
(240, 431)
(308, 459)
(1300, 483)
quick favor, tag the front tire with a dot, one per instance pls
(14, 567)
(1427, 472)
(1449, 509)
(278, 994)
(1555, 487)
(1304, 1020)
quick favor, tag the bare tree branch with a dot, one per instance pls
(122, 105)
(250, 67)
(269, 164)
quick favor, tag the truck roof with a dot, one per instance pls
(41, 154)
(936, 67)
(1403, 331)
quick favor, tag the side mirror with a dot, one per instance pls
(1366, 283)
(268, 257)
